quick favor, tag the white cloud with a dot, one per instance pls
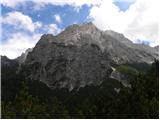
(10, 3)
(38, 6)
(18, 43)
(53, 29)
(130, 1)
(20, 21)
(14, 3)
(38, 24)
(57, 18)
(140, 21)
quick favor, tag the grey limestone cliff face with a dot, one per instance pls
(23, 56)
(81, 55)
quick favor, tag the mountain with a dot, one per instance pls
(8, 77)
(83, 55)
(82, 73)
(23, 56)
(8, 65)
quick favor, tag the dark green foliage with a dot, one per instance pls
(141, 67)
(34, 99)
(125, 69)
(145, 93)
(9, 80)
(26, 106)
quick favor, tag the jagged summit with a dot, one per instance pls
(80, 28)
(74, 35)
(88, 25)
(23, 56)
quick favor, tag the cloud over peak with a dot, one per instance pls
(140, 21)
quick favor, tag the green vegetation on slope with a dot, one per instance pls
(126, 69)
(34, 99)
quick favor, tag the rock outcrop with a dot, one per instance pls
(23, 56)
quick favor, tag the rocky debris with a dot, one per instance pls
(122, 78)
(117, 90)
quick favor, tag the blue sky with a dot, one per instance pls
(24, 22)
(68, 15)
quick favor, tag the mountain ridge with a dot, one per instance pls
(81, 55)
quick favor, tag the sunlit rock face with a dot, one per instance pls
(81, 55)
(23, 56)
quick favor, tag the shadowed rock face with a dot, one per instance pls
(6, 62)
(81, 55)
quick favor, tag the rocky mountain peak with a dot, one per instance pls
(73, 35)
(77, 30)
(81, 27)
(81, 55)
